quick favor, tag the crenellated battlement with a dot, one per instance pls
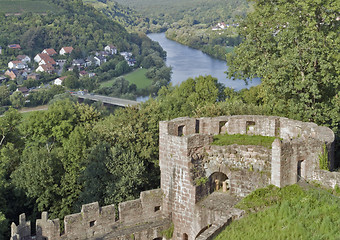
(192, 169)
(95, 222)
(201, 182)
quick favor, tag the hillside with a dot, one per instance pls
(74, 24)
(203, 11)
(125, 16)
(187, 22)
(148, 15)
(24, 6)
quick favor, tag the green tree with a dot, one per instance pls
(294, 47)
(3, 224)
(129, 174)
(17, 99)
(71, 82)
(4, 95)
(39, 175)
(9, 124)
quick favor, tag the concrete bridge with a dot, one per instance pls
(105, 99)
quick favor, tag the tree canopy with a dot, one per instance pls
(294, 47)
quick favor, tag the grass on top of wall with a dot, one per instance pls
(287, 213)
(243, 139)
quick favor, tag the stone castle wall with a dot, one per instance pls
(190, 165)
(95, 222)
(191, 170)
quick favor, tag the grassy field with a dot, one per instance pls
(137, 77)
(287, 213)
(241, 139)
(22, 6)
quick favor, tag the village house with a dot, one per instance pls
(14, 46)
(23, 74)
(43, 59)
(0, 50)
(80, 63)
(131, 62)
(126, 55)
(33, 76)
(65, 50)
(49, 52)
(111, 49)
(17, 65)
(83, 73)
(59, 80)
(99, 60)
(24, 58)
(12, 73)
(102, 53)
(23, 90)
(48, 68)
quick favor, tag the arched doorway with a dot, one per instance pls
(218, 181)
(185, 236)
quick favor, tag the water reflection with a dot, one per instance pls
(187, 62)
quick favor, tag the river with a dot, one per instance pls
(188, 62)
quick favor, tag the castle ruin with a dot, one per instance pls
(201, 182)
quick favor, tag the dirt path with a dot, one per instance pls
(32, 109)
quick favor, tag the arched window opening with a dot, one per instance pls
(185, 236)
(218, 181)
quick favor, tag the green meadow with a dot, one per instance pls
(136, 77)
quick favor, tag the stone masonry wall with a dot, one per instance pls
(176, 182)
(326, 178)
(247, 167)
(186, 158)
(23, 230)
(94, 222)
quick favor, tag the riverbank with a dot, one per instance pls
(187, 63)
(216, 44)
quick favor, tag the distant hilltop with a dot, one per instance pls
(18, 7)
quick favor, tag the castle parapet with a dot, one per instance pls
(23, 230)
(192, 168)
(96, 222)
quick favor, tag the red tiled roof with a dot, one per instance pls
(47, 58)
(47, 67)
(50, 51)
(20, 57)
(68, 49)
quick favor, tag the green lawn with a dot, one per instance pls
(21, 6)
(242, 139)
(137, 77)
(287, 213)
